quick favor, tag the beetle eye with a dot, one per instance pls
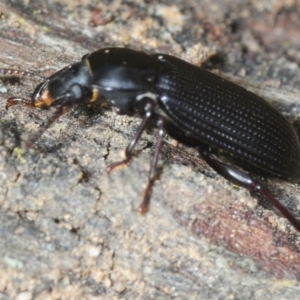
(76, 91)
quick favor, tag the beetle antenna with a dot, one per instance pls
(18, 100)
(59, 111)
(13, 73)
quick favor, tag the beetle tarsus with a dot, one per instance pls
(144, 206)
(117, 164)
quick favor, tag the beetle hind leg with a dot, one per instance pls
(245, 180)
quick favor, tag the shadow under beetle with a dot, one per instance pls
(236, 132)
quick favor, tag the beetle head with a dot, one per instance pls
(68, 86)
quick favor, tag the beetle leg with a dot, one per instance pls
(59, 111)
(247, 181)
(153, 169)
(129, 149)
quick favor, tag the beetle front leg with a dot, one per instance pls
(247, 181)
(59, 111)
(149, 107)
(130, 147)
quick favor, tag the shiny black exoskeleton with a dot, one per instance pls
(192, 105)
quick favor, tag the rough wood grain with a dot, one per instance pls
(70, 231)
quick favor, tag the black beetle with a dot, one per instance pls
(236, 132)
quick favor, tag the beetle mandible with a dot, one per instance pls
(240, 135)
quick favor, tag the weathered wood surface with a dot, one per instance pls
(70, 231)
